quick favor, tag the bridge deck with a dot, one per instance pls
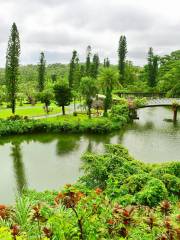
(161, 102)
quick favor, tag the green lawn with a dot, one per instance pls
(29, 110)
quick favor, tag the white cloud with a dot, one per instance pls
(59, 26)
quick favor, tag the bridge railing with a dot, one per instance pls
(140, 94)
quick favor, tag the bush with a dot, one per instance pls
(172, 168)
(75, 114)
(115, 162)
(70, 124)
(120, 175)
(136, 182)
(152, 194)
(120, 113)
(172, 183)
(15, 118)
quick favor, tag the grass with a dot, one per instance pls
(29, 110)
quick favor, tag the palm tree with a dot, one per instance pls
(89, 90)
(108, 79)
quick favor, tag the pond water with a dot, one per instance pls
(45, 161)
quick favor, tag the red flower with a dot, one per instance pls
(15, 230)
(98, 191)
(178, 218)
(47, 232)
(110, 222)
(59, 197)
(4, 211)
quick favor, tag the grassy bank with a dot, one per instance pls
(118, 198)
(29, 110)
(118, 117)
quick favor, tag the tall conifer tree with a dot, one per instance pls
(72, 68)
(41, 72)
(152, 69)
(12, 66)
(88, 61)
(106, 62)
(122, 52)
(95, 66)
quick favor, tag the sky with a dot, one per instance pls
(57, 27)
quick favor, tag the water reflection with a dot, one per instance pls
(48, 161)
(18, 165)
(67, 144)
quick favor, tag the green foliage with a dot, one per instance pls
(119, 112)
(62, 94)
(152, 193)
(172, 183)
(122, 52)
(138, 102)
(88, 88)
(169, 74)
(5, 233)
(86, 211)
(124, 178)
(106, 62)
(78, 213)
(41, 72)
(95, 66)
(12, 66)
(88, 61)
(152, 68)
(73, 69)
(172, 168)
(73, 124)
(45, 97)
(108, 80)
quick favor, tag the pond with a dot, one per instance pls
(45, 161)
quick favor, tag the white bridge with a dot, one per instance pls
(161, 102)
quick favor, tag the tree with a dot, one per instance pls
(19, 168)
(95, 66)
(88, 88)
(106, 62)
(72, 69)
(41, 72)
(169, 74)
(2, 94)
(54, 77)
(88, 61)
(108, 79)
(122, 52)
(152, 69)
(12, 66)
(45, 97)
(62, 94)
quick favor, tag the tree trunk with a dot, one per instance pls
(46, 108)
(74, 104)
(89, 112)
(175, 114)
(13, 106)
(63, 110)
(105, 114)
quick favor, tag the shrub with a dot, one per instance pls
(136, 182)
(152, 193)
(172, 168)
(172, 183)
(57, 125)
(120, 175)
(75, 114)
(116, 161)
(15, 117)
(120, 113)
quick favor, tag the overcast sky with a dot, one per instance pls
(59, 26)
